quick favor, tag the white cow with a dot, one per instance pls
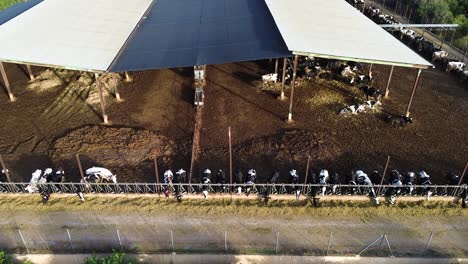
(455, 66)
(99, 174)
(439, 55)
(272, 77)
(37, 178)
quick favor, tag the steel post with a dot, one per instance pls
(128, 78)
(415, 86)
(102, 101)
(283, 80)
(156, 170)
(293, 84)
(78, 161)
(276, 65)
(387, 89)
(5, 169)
(31, 75)
(230, 155)
(7, 83)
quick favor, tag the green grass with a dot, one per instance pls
(115, 258)
(6, 259)
(4, 4)
(216, 207)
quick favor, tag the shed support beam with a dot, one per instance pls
(283, 80)
(387, 89)
(413, 93)
(293, 84)
(7, 83)
(31, 75)
(276, 65)
(101, 100)
(128, 78)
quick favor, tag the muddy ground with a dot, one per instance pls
(159, 103)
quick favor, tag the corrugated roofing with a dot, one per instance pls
(179, 33)
(335, 29)
(74, 34)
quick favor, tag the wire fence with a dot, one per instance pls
(261, 189)
(292, 240)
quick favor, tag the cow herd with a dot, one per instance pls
(421, 45)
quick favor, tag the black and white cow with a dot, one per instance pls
(371, 92)
(401, 120)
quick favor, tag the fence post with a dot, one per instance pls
(277, 242)
(172, 243)
(370, 245)
(80, 167)
(24, 242)
(230, 157)
(5, 169)
(306, 174)
(329, 243)
(428, 243)
(156, 172)
(71, 243)
(225, 241)
(120, 241)
(384, 173)
(380, 245)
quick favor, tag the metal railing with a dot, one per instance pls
(260, 189)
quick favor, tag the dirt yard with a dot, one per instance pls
(39, 129)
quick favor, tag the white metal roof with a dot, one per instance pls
(335, 29)
(74, 34)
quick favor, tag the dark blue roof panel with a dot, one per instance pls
(15, 10)
(184, 33)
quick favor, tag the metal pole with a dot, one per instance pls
(380, 245)
(80, 167)
(464, 55)
(156, 171)
(407, 114)
(277, 242)
(307, 169)
(24, 243)
(370, 245)
(172, 241)
(396, 7)
(283, 80)
(387, 90)
(276, 65)
(383, 4)
(31, 75)
(5, 169)
(128, 78)
(410, 13)
(370, 69)
(461, 179)
(230, 155)
(329, 243)
(7, 83)
(428, 243)
(388, 244)
(102, 101)
(225, 241)
(384, 173)
(453, 35)
(120, 241)
(71, 243)
(117, 94)
(406, 12)
(443, 39)
(293, 84)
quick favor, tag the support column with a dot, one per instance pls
(31, 75)
(283, 80)
(387, 90)
(102, 101)
(453, 35)
(370, 70)
(128, 78)
(293, 84)
(276, 65)
(7, 83)
(413, 93)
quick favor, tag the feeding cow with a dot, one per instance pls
(425, 179)
(409, 180)
(363, 179)
(294, 179)
(251, 177)
(3, 179)
(239, 180)
(168, 177)
(393, 192)
(179, 178)
(206, 179)
(324, 178)
(221, 179)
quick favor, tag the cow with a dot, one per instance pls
(440, 55)
(272, 77)
(456, 66)
(370, 91)
(401, 120)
